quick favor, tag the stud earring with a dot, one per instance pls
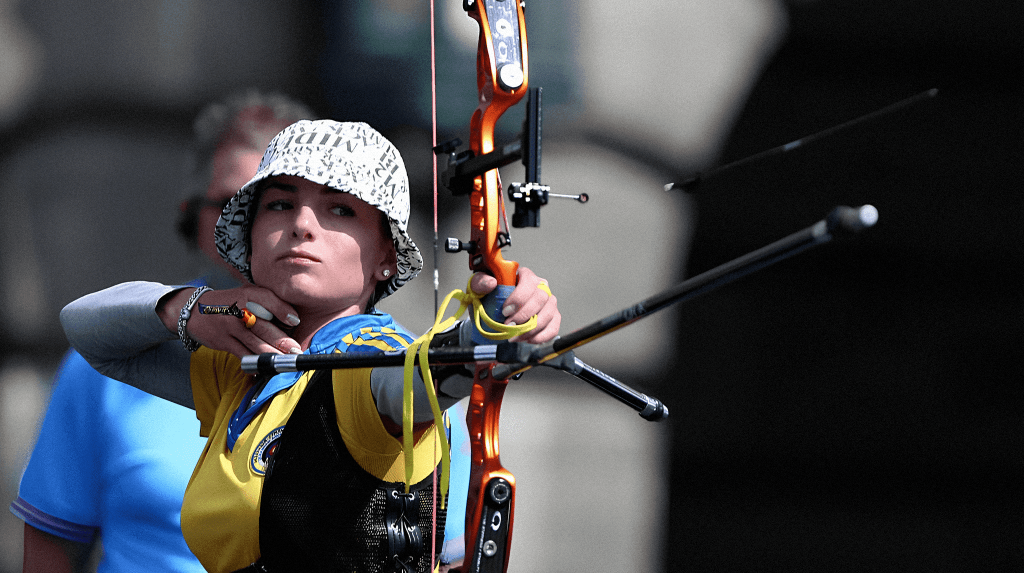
(387, 273)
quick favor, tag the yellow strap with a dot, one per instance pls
(421, 346)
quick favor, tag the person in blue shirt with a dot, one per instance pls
(111, 461)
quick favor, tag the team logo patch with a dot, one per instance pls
(265, 451)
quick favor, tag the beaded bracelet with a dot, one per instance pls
(186, 311)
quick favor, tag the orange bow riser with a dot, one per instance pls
(502, 80)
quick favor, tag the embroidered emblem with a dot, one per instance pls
(376, 337)
(265, 450)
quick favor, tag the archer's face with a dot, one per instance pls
(319, 249)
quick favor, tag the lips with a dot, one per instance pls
(299, 256)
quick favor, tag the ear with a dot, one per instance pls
(388, 262)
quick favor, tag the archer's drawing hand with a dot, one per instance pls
(530, 297)
(230, 333)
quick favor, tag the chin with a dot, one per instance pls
(312, 292)
(302, 296)
(298, 295)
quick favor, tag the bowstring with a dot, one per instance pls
(433, 145)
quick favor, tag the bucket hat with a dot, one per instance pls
(348, 156)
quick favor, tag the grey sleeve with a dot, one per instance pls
(388, 384)
(119, 333)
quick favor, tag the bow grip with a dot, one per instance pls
(492, 303)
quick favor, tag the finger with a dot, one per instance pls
(236, 347)
(549, 330)
(266, 337)
(247, 344)
(254, 345)
(527, 278)
(526, 303)
(262, 302)
(482, 283)
(526, 284)
(235, 338)
(548, 323)
(526, 300)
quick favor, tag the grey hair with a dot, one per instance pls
(247, 120)
(221, 119)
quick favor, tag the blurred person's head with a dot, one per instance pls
(229, 138)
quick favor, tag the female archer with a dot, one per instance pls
(301, 471)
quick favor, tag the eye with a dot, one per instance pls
(342, 211)
(279, 205)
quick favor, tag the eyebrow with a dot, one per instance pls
(274, 184)
(280, 186)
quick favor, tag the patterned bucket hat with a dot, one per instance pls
(347, 156)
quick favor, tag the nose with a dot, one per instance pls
(305, 222)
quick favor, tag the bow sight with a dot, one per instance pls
(528, 197)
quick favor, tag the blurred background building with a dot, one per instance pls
(855, 408)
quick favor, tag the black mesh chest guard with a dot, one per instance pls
(322, 512)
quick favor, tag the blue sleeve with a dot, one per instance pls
(60, 488)
(454, 548)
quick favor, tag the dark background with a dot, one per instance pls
(858, 407)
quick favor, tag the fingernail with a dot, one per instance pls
(292, 320)
(509, 310)
(295, 350)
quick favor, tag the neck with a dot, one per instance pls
(313, 321)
